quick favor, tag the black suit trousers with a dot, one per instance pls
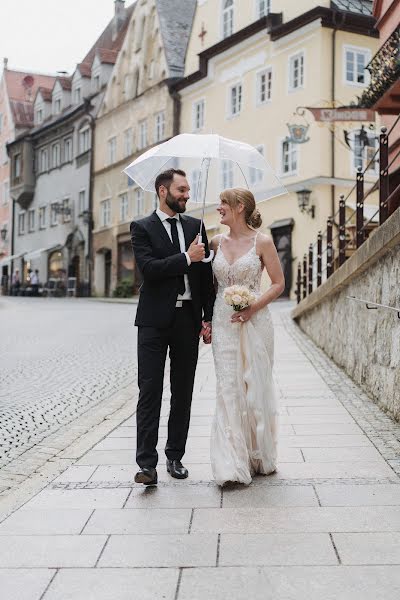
(182, 339)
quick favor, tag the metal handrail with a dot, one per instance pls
(373, 305)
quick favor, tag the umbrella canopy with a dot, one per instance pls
(211, 162)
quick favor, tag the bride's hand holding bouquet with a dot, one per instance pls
(241, 299)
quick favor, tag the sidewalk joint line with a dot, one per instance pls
(191, 520)
(316, 493)
(88, 519)
(222, 498)
(335, 549)
(49, 584)
(127, 498)
(302, 454)
(178, 584)
(102, 551)
(218, 550)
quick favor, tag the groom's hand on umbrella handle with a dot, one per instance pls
(196, 251)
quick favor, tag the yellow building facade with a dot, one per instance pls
(250, 68)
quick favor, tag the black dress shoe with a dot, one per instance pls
(147, 476)
(176, 469)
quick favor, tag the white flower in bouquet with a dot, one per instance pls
(238, 296)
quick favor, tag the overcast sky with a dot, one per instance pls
(50, 35)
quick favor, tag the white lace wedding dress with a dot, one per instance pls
(244, 431)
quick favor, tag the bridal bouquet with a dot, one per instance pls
(238, 296)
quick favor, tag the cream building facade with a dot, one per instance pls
(250, 65)
(139, 110)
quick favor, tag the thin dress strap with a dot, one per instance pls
(255, 239)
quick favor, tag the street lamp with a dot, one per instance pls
(87, 217)
(3, 233)
(303, 199)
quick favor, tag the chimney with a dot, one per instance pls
(5, 63)
(119, 17)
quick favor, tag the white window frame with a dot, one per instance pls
(356, 50)
(5, 155)
(17, 172)
(363, 160)
(227, 18)
(291, 60)
(84, 139)
(21, 222)
(6, 192)
(53, 215)
(105, 212)
(96, 82)
(293, 149)
(123, 207)
(66, 203)
(112, 150)
(39, 116)
(198, 114)
(78, 95)
(142, 130)
(239, 100)
(57, 106)
(42, 217)
(139, 202)
(68, 146)
(263, 8)
(268, 86)
(82, 203)
(128, 142)
(227, 175)
(256, 177)
(194, 184)
(159, 126)
(55, 155)
(44, 160)
(31, 220)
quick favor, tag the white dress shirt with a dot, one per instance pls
(163, 218)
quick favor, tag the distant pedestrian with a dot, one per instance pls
(15, 283)
(35, 282)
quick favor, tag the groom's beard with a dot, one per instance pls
(175, 204)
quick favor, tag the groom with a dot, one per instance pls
(174, 310)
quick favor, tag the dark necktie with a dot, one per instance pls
(177, 248)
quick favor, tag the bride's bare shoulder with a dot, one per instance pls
(264, 240)
(214, 243)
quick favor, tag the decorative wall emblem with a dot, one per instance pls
(298, 133)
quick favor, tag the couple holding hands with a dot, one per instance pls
(181, 300)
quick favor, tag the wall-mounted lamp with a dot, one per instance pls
(303, 199)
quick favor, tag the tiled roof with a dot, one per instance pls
(362, 7)
(46, 93)
(65, 82)
(22, 88)
(176, 19)
(105, 40)
(107, 56)
(85, 69)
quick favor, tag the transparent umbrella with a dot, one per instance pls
(212, 163)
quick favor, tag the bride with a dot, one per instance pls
(244, 431)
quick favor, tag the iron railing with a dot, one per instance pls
(384, 69)
(331, 251)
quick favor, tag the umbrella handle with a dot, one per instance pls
(211, 252)
(209, 257)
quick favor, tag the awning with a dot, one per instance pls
(8, 259)
(36, 253)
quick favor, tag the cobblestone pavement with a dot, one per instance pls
(59, 358)
(326, 526)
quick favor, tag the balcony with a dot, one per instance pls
(362, 7)
(383, 93)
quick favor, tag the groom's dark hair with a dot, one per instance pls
(166, 177)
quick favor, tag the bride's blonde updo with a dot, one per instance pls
(235, 196)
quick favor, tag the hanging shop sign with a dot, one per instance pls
(298, 133)
(344, 113)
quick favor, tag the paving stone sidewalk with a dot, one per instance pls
(326, 526)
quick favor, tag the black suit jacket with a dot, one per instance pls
(161, 266)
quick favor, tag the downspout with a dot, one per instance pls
(333, 98)
(90, 199)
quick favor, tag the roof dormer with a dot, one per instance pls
(42, 106)
(81, 83)
(102, 67)
(61, 95)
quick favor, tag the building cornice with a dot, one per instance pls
(272, 24)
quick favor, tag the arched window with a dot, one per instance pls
(56, 264)
(227, 18)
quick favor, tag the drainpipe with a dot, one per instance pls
(90, 199)
(333, 94)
